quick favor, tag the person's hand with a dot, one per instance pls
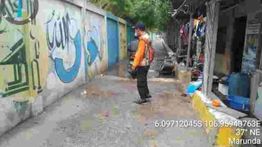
(133, 72)
(133, 68)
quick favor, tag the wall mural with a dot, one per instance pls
(94, 45)
(11, 10)
(26, 47)
(64, 43)
(16, 41)
(47, 48)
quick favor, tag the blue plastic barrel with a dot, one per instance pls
(239, 85)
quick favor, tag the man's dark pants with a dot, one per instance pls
(142, 87)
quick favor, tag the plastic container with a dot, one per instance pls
(193, 86)
(239, 84)
(223, 89)
(239, 103)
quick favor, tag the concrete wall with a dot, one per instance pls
(226, 18)
(48, 48)
(122, 39)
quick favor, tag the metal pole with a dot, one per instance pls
(210, 44)
(189, 39)
(179, 39)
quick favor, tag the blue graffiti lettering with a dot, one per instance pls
(60, 35)
(68, 75)
(93, 51)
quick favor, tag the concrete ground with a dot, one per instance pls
(102, 114)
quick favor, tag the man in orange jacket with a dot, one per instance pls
(141, 63)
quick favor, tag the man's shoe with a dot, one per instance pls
(148, 96)
(141, 101)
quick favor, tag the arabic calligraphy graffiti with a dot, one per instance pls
(64, 40)
(14, 49)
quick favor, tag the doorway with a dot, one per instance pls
(238, 43)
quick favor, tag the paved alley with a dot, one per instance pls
(102, 114)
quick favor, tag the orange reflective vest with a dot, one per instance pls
(139, 59)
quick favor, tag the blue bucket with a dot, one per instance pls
(239, 103)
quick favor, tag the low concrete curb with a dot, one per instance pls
(218, 135)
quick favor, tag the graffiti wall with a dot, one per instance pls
(48, 48)
(22, 55)
(95, 44)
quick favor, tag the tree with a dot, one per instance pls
(154, 13)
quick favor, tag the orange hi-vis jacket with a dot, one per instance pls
(139, 59)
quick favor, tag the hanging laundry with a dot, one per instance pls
(196, 21)
(199, 27)
(201, 30)
(184, 30)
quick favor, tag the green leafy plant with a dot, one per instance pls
(154, 13)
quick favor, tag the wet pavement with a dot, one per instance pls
(103, 114)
